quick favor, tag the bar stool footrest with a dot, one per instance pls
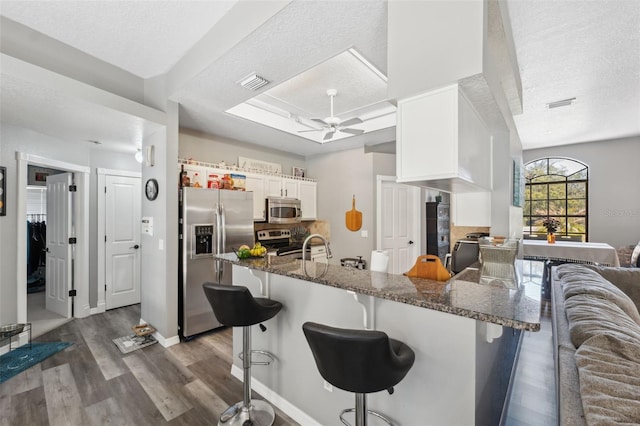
(269, 355)
(373, 413)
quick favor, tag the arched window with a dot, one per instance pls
(556, 188)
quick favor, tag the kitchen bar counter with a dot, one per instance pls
(461, 295)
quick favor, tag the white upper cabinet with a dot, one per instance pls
(256, 183)
(281, 187)
(307, 192)
(442, 143)
(471, 209)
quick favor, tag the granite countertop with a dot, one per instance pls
(462, 295)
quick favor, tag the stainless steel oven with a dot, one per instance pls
(283, 210)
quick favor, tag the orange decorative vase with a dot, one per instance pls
(551, 238)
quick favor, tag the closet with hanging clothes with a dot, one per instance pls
(36, 239)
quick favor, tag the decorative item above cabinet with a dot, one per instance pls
(442, 143)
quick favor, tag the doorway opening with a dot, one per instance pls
(36, 310)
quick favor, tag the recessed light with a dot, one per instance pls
(564, 102)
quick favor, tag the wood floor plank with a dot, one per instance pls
(207, 399)
(170, 404)
(64, 406)
(135, 404)
(104, 351)
(26, 408)
(106, 413)
(30, 378)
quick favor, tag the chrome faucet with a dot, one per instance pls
(304, 248)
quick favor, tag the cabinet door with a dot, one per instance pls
(255, 184)
(273, 186)
(427, 136)
(290, 188)
(471, 209)
(307, 192)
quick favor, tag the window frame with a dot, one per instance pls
(563, 179)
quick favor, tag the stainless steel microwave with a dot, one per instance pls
(283, 210)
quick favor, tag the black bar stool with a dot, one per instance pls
(359, 361)
(234, 306)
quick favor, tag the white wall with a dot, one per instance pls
(83, 154)
(614, 195)
(214, 149)
(341, 175)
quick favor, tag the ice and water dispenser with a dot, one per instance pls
(202, 241)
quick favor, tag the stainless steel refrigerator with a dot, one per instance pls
(211, 221)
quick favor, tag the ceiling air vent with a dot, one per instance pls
(253, 82)
(564, 102)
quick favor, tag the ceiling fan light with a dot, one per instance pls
(253, 81)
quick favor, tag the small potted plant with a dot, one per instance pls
(552, 225)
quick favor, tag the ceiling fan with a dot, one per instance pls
(333, 124)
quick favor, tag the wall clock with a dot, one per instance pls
(151, 189)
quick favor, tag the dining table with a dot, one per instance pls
(553, 254)
(571, 252)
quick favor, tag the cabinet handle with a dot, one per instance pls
(286, 192)
(410, 242)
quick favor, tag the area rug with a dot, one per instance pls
(22, 358)
(131, 343)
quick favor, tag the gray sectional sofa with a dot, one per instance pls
(596, 329)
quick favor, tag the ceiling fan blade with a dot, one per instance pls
(352, 131)
(328, 135)
(349, 122)
(319, 120)
(311, 130)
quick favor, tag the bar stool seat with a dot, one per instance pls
(359, 361)
(234, 306)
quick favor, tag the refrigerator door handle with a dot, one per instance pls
(223, 227)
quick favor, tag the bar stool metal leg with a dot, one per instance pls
(361, 412)
(248, 412)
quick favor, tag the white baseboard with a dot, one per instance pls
(166, 342)
(274, 398)
(101, 308)
(83, 312)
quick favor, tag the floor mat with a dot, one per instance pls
(131, 343)
(22, 358)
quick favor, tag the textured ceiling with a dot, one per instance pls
(145, 38)
(589, 50)
(47, 111)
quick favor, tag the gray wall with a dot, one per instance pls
(214, 149)
(84, 154)
(614, 195)
(341, 175)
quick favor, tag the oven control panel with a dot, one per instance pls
(273, 234)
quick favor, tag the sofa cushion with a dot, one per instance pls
(608, 367)
(590, 315)
(569, 401)
(626, 279)
(588, 281)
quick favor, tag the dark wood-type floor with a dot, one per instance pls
(92, 383)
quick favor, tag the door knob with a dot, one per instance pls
(135, 247)
(410, 242)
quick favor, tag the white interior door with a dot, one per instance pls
(122, 242)
(59, 251)
(399, 226)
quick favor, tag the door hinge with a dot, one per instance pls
(72, 293)
(73, 240)
(73, 188)
(105, 189)
(105, 287)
